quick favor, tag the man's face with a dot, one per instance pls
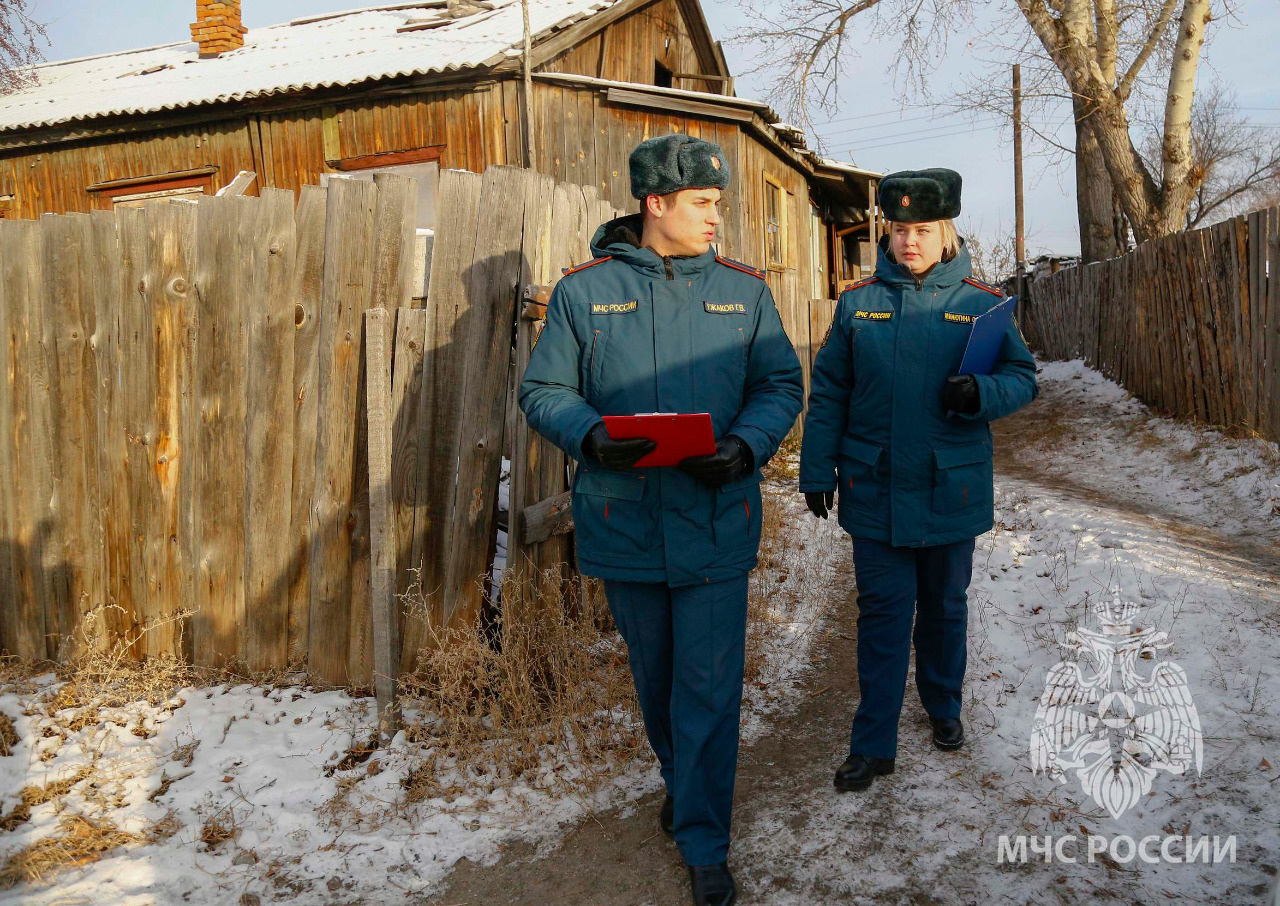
(683, 222)
(917, 246)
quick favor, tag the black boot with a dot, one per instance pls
(666, 817)
(948, 733)
(858, 771)
(712, 885)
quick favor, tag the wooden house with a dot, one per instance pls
(413, 87)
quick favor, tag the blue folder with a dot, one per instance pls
(986, 337)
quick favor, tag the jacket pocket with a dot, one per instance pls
(857, 466)
(610, 514)
(961, 478)
(737, 519)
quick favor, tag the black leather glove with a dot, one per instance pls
(961, 394)
(732, 459)
(819, 502)
(599, 449)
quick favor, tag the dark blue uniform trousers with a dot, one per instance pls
(687, 647)
(895, 583)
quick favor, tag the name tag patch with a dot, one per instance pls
(957, 317)
(613, 308)
(725, 308)
(873, 315)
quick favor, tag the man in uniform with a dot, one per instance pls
(660, 322)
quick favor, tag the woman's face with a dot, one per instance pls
(917, 246)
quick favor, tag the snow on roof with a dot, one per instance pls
(322, 51)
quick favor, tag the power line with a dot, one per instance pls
(907, 141)
(911, 132)
(878, 126)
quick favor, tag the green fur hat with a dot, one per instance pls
(669, 163)
(914, 196)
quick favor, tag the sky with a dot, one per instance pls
(870, 128)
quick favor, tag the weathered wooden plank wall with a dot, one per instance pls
(164, 432)
(183, 406)
(1189, 323)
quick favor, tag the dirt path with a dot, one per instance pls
(795, 839)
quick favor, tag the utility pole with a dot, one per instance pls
(1020, 246)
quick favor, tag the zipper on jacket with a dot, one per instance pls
(666, 262)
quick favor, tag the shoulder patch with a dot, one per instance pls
(739, 266)
(865, 281)
(566, 271)
(994, 290)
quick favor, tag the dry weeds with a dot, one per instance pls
(549, 683)
(81, 840)
(8, 735)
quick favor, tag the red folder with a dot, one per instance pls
(677, 435)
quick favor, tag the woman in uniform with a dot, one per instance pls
(905, 438)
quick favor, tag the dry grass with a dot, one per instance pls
(8, 735)
(80, 840)
(31, 796)
(549, 681)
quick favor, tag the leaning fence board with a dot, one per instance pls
(385, 629)
(531, 454)
(347, 277)
(458, 204)
(490, 316)
(406, 452)
(394, 215)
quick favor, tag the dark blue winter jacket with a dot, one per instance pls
(642, 333)
(875, 428)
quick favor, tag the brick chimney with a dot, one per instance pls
(217, 27)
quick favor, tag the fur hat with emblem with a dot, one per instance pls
(914, 196)
(669, 163)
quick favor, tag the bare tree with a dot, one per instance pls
(1238, 162)
(995, 261)
(1100, 50)
(18, 49)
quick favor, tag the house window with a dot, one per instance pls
(775, 223)
(135, 191)
(422, 164)
(138, 199)
(661, 75)
(6, 207)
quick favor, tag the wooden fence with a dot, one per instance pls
(179, 424)
(1189, 323)
(185, 424)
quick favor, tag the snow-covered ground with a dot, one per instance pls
(931, 832)
(1178, 523)
(263, 767)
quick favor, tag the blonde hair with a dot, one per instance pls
(950, 238)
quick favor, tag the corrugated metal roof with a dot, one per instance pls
(319, 52)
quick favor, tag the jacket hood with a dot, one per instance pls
(944, 273)
(620, 238)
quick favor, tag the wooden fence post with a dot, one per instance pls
(381, 537)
